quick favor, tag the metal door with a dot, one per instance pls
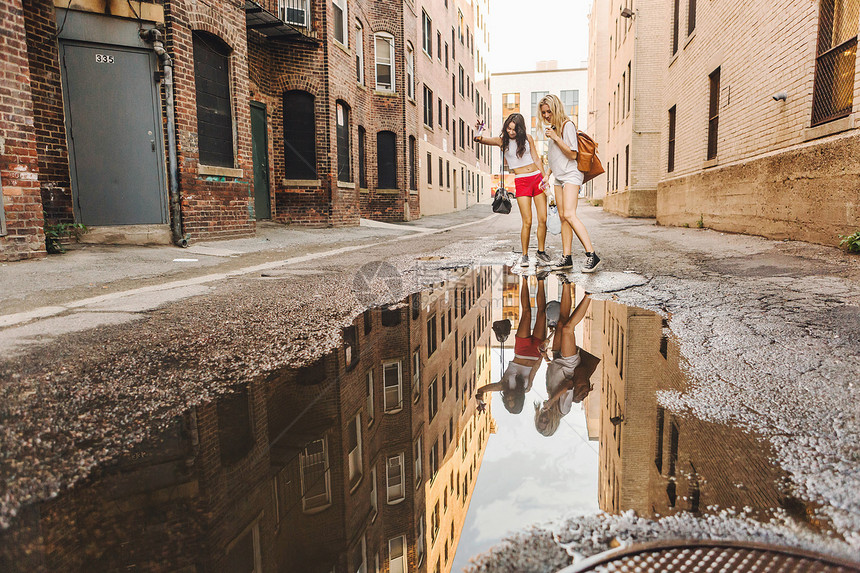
(260, 157)
(113, 121)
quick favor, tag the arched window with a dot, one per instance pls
(344, 173)
(214, 112)
(300, 160)
(384, 62)
(386, 160)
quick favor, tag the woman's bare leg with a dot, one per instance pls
(566, 231)
(564, 316)
(524, 328)
(540, 207)
(540, 319)
(567, 334)
(570, 192)
(525, 205)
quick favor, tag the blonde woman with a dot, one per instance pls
(561, 155)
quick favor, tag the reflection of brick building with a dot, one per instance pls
(367, 456)
(656, 462)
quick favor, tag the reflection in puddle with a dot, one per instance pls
(377, 457)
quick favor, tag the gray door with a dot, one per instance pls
(260, 157)
(114, 128)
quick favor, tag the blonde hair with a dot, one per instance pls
(559, 116)
(551, 419)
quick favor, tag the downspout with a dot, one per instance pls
(155, 37)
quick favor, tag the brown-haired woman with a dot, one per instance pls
(530, 181)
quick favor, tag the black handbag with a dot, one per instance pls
(502, 201)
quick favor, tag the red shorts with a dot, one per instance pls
(529, 186)
(527, 346)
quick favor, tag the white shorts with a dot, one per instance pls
(560, 369)
(573, 179)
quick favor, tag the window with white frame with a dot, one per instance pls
(359, 52)
(243, 553)
(418, 456)
(294, 12)
(416, 375)
(410, 70)
(374, 494)
(354, 447)
(339, 12)
(396, 491)
(419, 539)
(316, 477)
(397, 555)
(384, 44)
(392, 374)
(427, 33)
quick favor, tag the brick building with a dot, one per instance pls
(451, 94)
(757, 132)
(299, 111)
(364, 460)
(658, 462)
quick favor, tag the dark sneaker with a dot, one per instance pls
(542, 274)
(524, 262)
(543, 258)
(565, 262)
(592, 261)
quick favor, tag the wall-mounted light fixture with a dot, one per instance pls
(627, 13)
(780, 96)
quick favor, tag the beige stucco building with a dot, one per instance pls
(757, 116)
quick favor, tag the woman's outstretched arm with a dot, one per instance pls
(497, 141)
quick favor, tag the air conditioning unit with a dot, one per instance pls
(293, 12)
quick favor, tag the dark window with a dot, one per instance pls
(299, 136)
(441, 179)
(629, 83)
(627, 166)
(429, 169)
(413, 163)
(431, 335)
(389, 316)
(432, 407)
(446, 55)
(836, 55)
(713, 113)
(671, 164)
(214, 118)
(428, 106)
(691, 16)
(386, 159)
(368, 322)
(439, 45)
(462, 136)
(235, 435)
(676, 14)
(448, 184)
(462, 82)
(344, 172)
(439, 116)
(362, 157)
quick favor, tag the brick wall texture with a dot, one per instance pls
(774, 174)
(261, 70)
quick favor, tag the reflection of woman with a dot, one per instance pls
(521, 371)
(567, 376)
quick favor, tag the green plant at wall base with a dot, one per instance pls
(700, 224)
(56, 233)
(851, 242)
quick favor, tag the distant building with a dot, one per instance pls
(752, 127)
(452, 93)
(520, 92)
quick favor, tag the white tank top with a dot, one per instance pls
(515, 162)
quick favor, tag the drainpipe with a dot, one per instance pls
(155, 37)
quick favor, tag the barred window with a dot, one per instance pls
(832, 95)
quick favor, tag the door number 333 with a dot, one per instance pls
(104, 59)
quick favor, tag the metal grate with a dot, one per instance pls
(835, 61)
(714, 556)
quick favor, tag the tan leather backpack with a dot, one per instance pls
(586, 158)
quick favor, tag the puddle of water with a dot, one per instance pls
(377, 456)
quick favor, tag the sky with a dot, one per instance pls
(548, 30)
